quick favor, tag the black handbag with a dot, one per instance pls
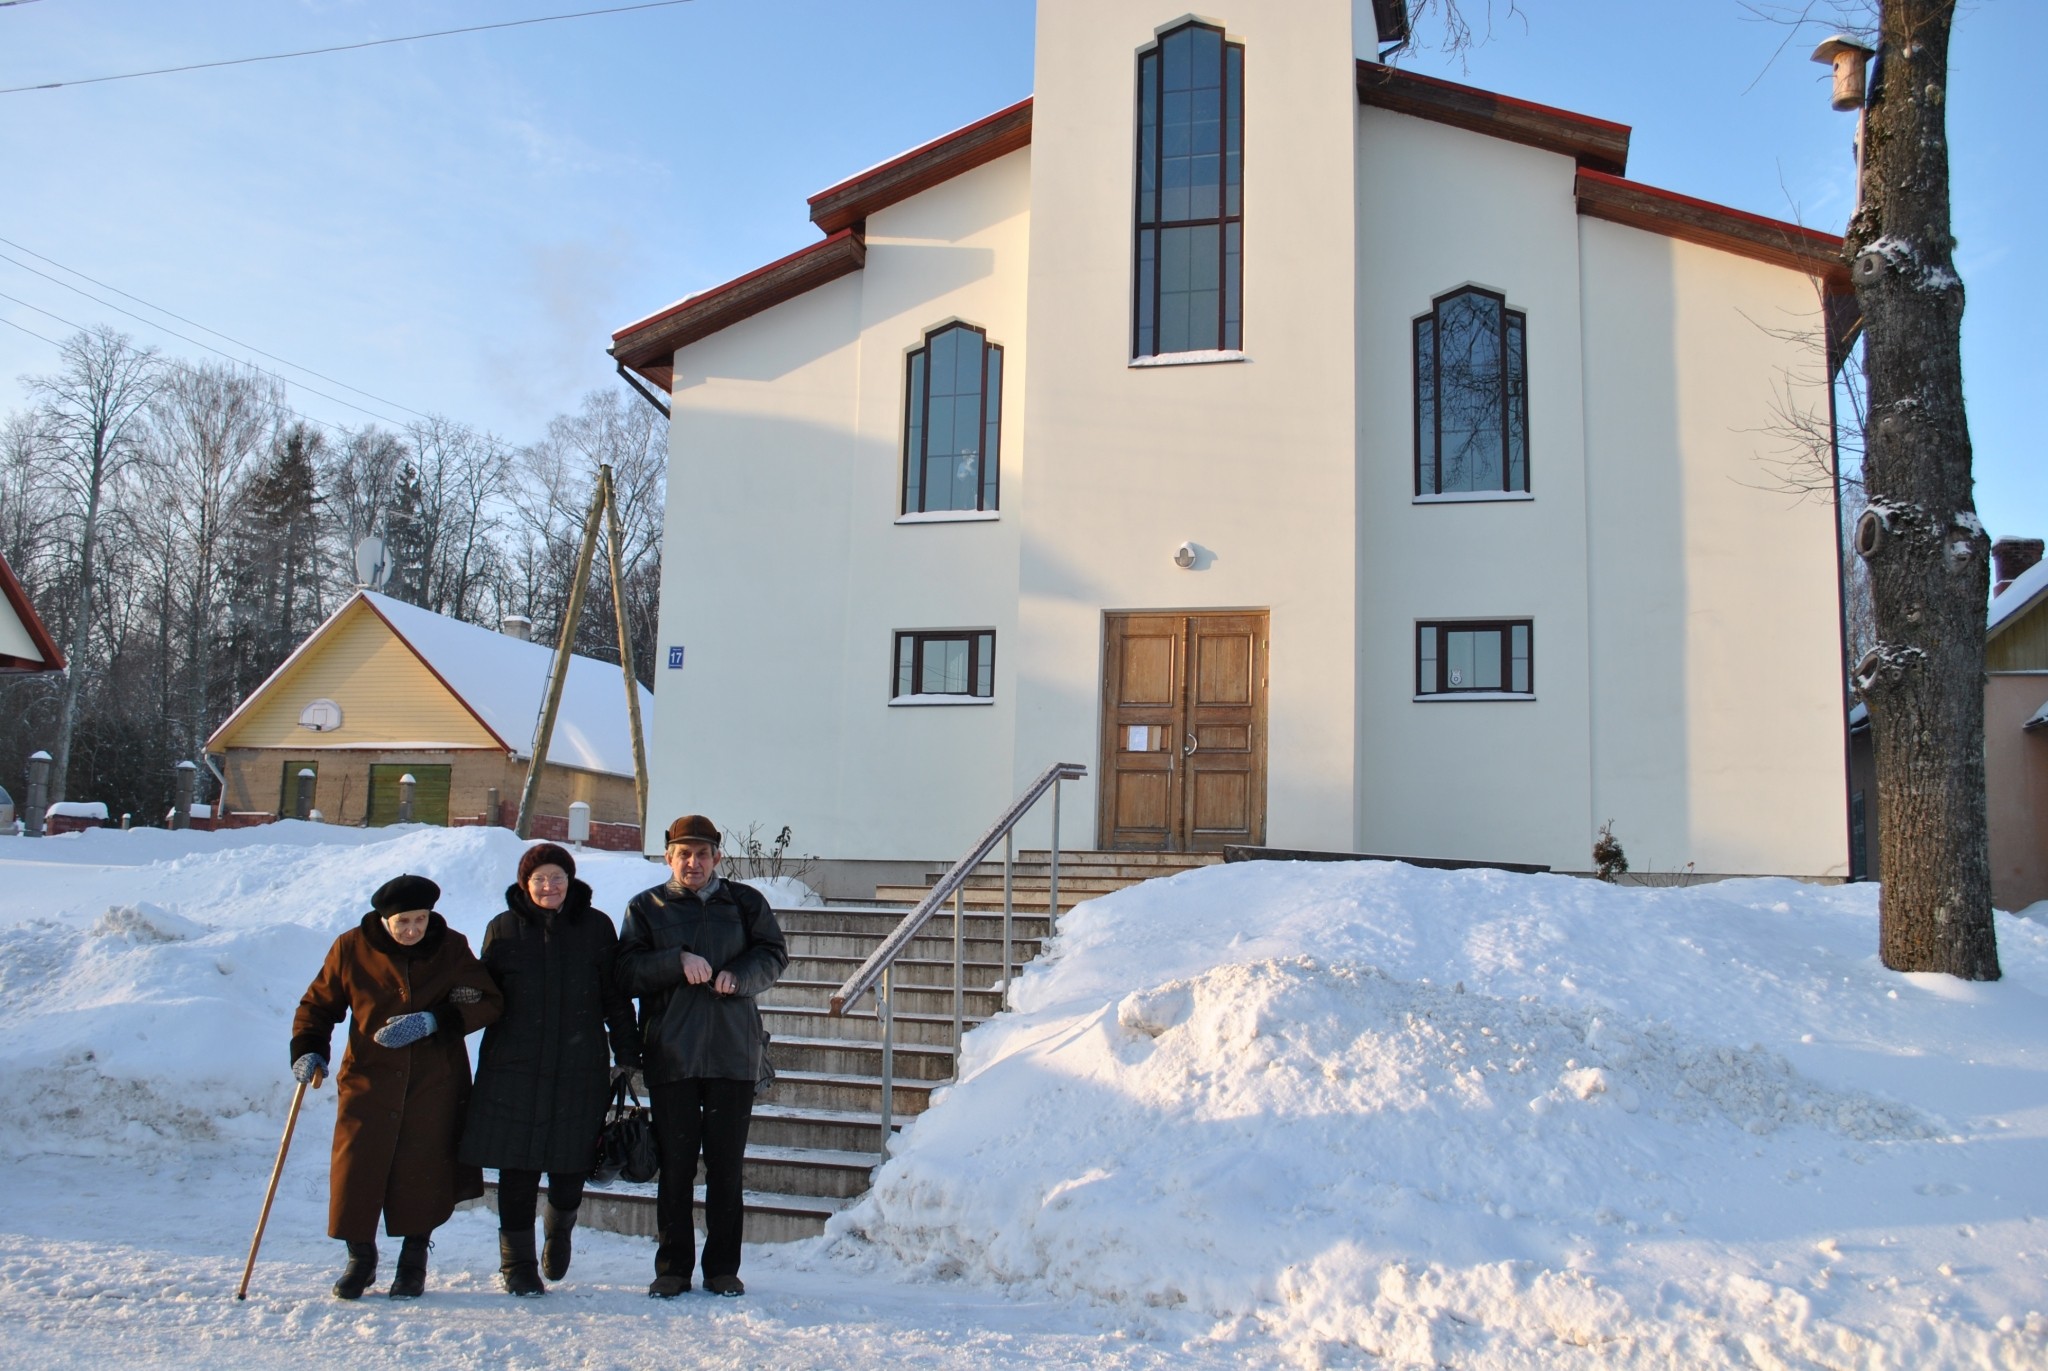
(626, 1149)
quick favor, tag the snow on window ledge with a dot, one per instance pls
(941, 700)
(951, 516)
(1191, 359)
(1472, 497)
(1439, 697)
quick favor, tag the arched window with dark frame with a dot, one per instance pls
(952, 422)
(1471, 396)
(1190, 251)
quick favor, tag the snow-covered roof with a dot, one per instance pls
(504, 680)
(2026, 588)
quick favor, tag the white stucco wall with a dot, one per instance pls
(785, 471)
(1685, 626)
(1717, 686)
(1251, 460)
(1501, 780)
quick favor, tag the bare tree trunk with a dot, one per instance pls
(103, 388)
(1926, 550)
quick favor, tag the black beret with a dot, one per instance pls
(402, 893)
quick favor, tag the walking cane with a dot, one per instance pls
(291, 1121)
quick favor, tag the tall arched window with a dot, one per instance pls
(952, 422)
(1190, 261)
(1471, 396)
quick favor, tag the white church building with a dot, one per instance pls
(1327, 456)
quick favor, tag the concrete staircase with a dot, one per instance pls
(816, 1135)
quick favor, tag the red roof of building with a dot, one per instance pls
(17, 600)
(1598, 146)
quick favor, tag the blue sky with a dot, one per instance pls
(457, 225)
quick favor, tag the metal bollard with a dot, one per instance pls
(181, 812)
(494, 814)
(302, 804)
(405, 789)
(38, 794)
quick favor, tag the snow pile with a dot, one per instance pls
(1324, 1115)
(1474, 1119)
(149, 1027)
(77, 809)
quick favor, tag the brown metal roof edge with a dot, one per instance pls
(854, 199)
(1600, 144)
(11, 589)
(648, 346)
(1783, 244)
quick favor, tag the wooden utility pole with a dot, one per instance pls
(616, 542)
(544, 731)
(604, 504)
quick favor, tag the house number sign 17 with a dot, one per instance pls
(675, 659)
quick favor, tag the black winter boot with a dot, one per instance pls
(411, 1281)
(360, 1273)
(554, 1253)
(516, 1268)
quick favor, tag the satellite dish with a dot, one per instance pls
(373, 567)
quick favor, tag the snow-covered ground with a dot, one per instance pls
(1266, 1114)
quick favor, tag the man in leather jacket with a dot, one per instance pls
(696, 950)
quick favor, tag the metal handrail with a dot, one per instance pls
(875, 973)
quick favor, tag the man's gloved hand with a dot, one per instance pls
(405, 1030)
(307, 1067)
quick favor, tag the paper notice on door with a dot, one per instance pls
(1140, 739)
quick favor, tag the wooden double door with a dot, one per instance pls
(1183, 731)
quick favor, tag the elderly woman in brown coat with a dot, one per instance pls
(410, 988)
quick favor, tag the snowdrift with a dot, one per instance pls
(1472, 1118)
(1336, 1115)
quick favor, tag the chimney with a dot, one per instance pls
(520, 627)
(2012, 558)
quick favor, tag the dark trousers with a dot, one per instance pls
(700, 1117)
(519, 1195)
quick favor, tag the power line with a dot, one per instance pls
(23, 327)
(72, 323)
(195, 342)
(346, 47)
(283, 361)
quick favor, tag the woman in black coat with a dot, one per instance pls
(542, 1079)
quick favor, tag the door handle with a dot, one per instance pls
(1192, 748)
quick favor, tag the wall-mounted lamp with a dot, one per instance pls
(1184, 556)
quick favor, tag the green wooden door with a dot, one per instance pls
(429, 794)
(288, 788)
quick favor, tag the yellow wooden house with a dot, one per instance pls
(384, 689)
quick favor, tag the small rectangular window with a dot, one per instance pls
(944, 666)
(1475, 657)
